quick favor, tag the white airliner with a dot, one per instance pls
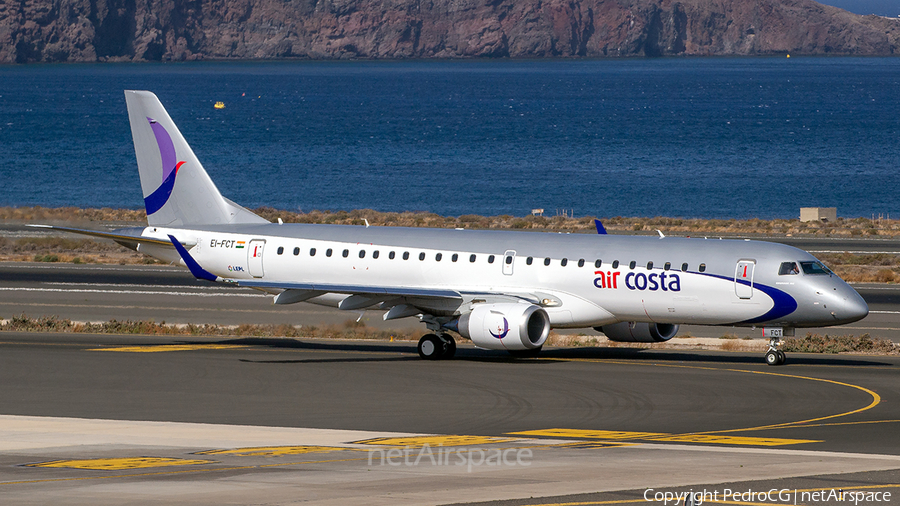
(502, 290)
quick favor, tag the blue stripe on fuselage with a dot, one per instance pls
(783, 304)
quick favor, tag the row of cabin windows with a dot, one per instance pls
(509, 259)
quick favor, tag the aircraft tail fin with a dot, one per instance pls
(177, 190)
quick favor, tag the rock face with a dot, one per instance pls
(137, 30)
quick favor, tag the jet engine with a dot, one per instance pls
(505, 326)
(636, 332)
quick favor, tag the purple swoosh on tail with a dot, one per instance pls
(166, 148)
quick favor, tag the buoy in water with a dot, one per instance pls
(219, 105)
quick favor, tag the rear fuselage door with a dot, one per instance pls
(255, 257)
(509, 258)
(743, 278)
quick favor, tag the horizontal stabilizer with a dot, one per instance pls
(116, 235)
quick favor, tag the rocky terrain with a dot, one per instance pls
(164, 30)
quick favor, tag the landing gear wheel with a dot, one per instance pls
(431, 347)
(775, 356)
(532, 353)
(450, 347)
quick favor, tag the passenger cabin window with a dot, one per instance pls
(702, 267)
(296, 251)
(580, 262)
(345, 253)
(684, 267)
(529, 261)
(598, 263)
(472, 258)
(632, 264)
(422, 256)
(547, 261)
(455, 257)
(391, 255)
(438, 257)
(328, 252)
(406, 255)
(615, 264)
(814, 268)
(564, 262)
(490, 259)
(509, 259)
(362, 253)
(375, 254)
(667, 266)
(788, 269)
(649, 266)
(312, 252)
(280, 250)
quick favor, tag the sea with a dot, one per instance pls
(681, 137)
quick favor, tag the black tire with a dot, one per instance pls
(431, 347)
(772, 357)
(450, 349)
(781, 357)
(532, 353)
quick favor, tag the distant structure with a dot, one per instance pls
(537, 212)
(825, 214)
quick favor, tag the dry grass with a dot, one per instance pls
(815, 343)
(351, 329)
(348, 330)
(681, 226)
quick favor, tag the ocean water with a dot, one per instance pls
(709, 138)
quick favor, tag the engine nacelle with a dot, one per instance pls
(636, 332)
(505, 326)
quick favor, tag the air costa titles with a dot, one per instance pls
(639, 281)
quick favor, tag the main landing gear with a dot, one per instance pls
(774, 356)
(437, 347)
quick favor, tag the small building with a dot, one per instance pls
(818, 214)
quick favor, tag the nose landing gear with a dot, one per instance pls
(774, 356)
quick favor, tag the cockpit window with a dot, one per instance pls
(788, 268)
(814, 268)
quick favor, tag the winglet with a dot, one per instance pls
(196, 270)
(600, 228)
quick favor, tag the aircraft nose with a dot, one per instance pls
(852, 308)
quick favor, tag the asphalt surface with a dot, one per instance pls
(592, 421)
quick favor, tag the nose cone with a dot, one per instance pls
(852, 308)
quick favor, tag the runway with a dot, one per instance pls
(90, 419)
(87, 418)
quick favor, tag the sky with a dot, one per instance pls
(880, 7)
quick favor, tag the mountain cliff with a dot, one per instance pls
(139, 30)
